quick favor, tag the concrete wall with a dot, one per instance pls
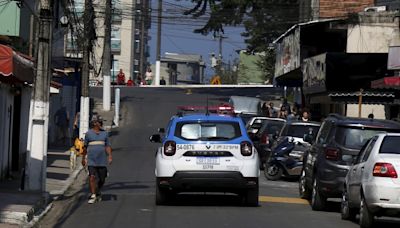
(373, 34)
(366, 109)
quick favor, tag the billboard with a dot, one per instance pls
(10, 19)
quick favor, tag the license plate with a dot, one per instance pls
(207, 161)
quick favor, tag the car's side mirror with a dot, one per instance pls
(161, 130)
(308, 138)
(155, 138)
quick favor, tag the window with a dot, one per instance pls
(324, 132)
(115, 39)
(390, 145)
(116, 11)
(366, 151)
(299, 130)
(369, 150)
(355, 138)
(208, 130)
(114, 69)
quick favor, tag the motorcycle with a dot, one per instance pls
(286, 159)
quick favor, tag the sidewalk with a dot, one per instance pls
(23, 209)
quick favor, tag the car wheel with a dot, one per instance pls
(250, 197)
(318, 202)
(162, 195)
(273, 172)
(304, 191)
(366, 216)
(347, 213)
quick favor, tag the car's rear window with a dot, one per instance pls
(390, 145)
(273, 127)
(209, 131)
(355, 138)
(299, 130)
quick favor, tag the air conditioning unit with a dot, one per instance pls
(375, 9)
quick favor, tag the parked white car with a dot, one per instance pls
(372, 185)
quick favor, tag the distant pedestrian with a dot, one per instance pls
(121, 77)
(139, 80)
(76, 125)
(371, 116)
(283, 113)
(130, 82)
(305, 116)
(272, 112)
(265, 109)
(294, 115)
(99, 155)
(286, 105)
(61, 120)
(149, 76)
(162, 81)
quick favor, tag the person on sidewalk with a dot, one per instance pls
(99, 153)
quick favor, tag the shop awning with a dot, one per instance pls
(368, 97)
(386, 83)
(15, 67)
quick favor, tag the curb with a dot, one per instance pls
(39, 210)
(57, 196)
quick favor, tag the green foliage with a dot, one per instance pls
(267, 64)
(264, 21)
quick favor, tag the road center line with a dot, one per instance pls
(272, 199)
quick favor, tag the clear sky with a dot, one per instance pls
(178, 36)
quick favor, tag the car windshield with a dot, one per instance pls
(208, 131)
(299, 130)
(355, 138)
(390, 145)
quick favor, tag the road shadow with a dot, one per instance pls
(57, 176)
(206, 200)
(124, 186)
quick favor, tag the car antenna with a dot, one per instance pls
(207, 111)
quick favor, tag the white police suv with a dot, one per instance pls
(206, 153)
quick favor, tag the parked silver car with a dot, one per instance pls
(372, 185)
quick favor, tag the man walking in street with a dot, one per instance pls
(99, 154)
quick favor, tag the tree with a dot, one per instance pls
(264, 21)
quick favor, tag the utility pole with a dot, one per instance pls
(87, 47)
(158, 56)
(107, 58)
(35, 169)
(220, 38)
(143, 17)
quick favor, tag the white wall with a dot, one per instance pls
(373, 34)
(377, 110)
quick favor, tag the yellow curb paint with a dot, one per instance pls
(271, 199)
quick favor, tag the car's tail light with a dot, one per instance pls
(246, 148)
(384, 170)
(169, 148)
(332, 154)
(264, 139)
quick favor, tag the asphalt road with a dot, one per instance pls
(129, 194)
